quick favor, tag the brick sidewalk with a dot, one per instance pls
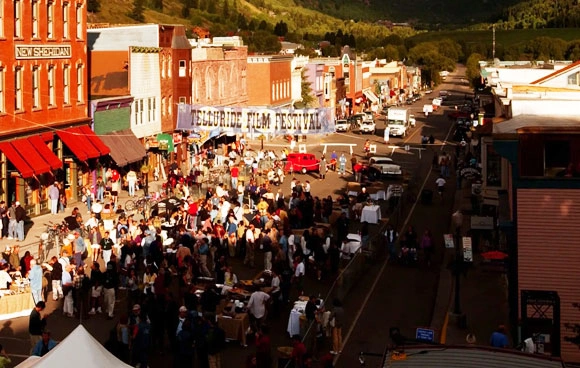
(483, 293)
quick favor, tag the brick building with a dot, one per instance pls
(44, 132)
(152, 64)
(271, 81)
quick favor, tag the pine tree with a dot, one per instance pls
(226, 9)
(158, 5)
(137, 12)
(93, 6)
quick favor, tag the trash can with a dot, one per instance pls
(426, 196)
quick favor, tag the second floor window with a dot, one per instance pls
(80, 78)
(17, 18)
(50, 19)
(182, 64)
(51, 85)
(35, 87)
(35, 19)
(1, 18)
(66, 85)
(79, 20)
(2, 97)
(18, 89)
(65, 22)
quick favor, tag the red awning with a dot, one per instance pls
(36, 161)
(95, 140)
(78, 143)
(19, 163)
(39, 144)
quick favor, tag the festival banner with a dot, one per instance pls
(255, 120)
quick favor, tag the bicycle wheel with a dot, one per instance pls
(130, 205)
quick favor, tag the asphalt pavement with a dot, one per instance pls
(387, 295)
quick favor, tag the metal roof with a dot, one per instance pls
(556, 123)
(470, 357)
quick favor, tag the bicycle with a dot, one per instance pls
(144, 202)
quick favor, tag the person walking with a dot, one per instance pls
(440, 182)
(322, 168)
(131, 182)
(12, 221)
(342, 165)
(106, 245)
(427, 246)
(216, 341)
(110, 283)
(36, 324)
(336, 322)
(20, 214)
(54, 196)
(56, 276)
(35, 277)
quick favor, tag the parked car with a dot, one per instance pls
(302, 162)
(367, 127)
(342, 125)
(385, 165)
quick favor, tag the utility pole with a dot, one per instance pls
(493, 44)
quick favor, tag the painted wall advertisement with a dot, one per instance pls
(255, 120)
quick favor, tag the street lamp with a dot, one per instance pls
(457, 218)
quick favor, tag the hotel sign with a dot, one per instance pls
(42, 52)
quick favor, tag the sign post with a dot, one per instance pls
(425, 334)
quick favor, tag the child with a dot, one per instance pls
(96, 292)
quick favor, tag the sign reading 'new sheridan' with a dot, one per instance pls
(42, 52)
(255, 119)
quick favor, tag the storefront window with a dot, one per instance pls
(493, 166)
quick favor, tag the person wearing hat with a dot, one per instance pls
(54, 195)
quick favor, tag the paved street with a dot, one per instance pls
(386, 296)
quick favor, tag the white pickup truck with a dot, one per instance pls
(368, 127)
(341, 126)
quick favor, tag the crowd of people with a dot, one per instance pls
(177, 265)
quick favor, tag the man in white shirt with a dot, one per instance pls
(5, 279)
(440, 185)
(299, 273)
(257, 308)
(250, 246)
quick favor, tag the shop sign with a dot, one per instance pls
(165, 142)
(42, 52)
(255, 120)
(469, 173)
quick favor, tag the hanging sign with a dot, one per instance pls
(255, 120)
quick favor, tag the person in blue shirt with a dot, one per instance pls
(499, 338)
(35, 277)
(45, 345)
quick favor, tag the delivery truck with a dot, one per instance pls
(398, 121)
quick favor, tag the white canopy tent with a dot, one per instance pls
(79, 346)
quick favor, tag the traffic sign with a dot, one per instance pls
(425, 334)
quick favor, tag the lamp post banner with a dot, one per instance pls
(255, 120)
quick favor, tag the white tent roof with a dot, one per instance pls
(76, 347)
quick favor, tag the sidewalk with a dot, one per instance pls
(35, 226)
(483, 293)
